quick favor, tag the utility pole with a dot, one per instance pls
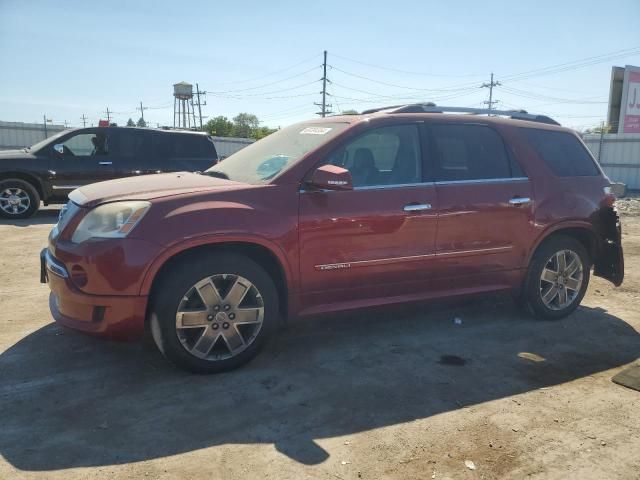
(324, 105)
(142, 109)
(65, 124)
(108, 115)
(198, 93)
(84, 120)
(44, 118)
(490, 87)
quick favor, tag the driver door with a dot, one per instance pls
(79, 159)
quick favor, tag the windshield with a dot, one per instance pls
(37, 146)
(263, 160)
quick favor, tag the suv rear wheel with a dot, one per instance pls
(558, 278)
(214, 312)
(18, 198)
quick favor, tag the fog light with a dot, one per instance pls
(79, 276)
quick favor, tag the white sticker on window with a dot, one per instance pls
(315, 131)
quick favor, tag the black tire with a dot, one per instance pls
(532, 294)
(28, 189)
(175, 285)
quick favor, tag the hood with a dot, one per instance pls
(13, 154)
(148, 187)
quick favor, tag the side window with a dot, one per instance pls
(469, 152)
(130, 143)
(192, 146)
(384, 156)
(563, 152)
(86, 145)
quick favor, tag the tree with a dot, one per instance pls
(141, 122)
(245, 124)
(350, 112)
(262, 132)
(219, 126)
(130, 123)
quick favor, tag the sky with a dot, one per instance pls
(64, 59)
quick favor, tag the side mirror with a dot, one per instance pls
(331, 177)
(59, 148)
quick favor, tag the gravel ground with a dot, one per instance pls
(395, 393)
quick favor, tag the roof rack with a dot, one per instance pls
(433, 108)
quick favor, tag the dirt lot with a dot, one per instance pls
(354, 396)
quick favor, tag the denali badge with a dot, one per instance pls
(333, 266)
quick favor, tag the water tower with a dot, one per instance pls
(183, 113)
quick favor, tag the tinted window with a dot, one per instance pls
(85, 145)
(384, 156)
(562, 151)
(130, 143)
(186, 146)
(469, 152)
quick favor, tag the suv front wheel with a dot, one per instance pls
(558, 278)
(18, 199)
(213, 312)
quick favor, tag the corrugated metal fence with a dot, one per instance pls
(15, 135)
(226, 146)
(619, 156)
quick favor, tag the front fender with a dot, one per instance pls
(214, 240)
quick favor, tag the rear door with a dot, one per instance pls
(130, 151)
(485, 203)
(377, 240)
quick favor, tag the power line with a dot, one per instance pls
(271, 73)
(455, 88)
(575, 64)
(405, 71)
(266, 84)
(288, 89)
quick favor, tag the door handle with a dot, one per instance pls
(520, 201)
(105, 163)
(417, 207)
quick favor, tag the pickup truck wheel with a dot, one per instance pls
(214, 312)
(558, 278)
(18, 199)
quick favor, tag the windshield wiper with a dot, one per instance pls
(215, 173)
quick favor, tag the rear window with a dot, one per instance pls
(563, 152)
(469, 152)
(183, 146)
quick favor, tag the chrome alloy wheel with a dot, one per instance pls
(561, 280)
(219, 317)
(14, 201)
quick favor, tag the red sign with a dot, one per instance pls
(632, 114)
(103, 123)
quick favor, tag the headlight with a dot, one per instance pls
(112, 220)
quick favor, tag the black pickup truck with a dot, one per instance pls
(49, 170)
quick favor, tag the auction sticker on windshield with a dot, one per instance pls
(315, 131)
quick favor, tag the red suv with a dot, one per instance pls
(395, 205)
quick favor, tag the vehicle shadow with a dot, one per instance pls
(72, 401)
(44, 216)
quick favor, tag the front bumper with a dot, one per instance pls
(114, 316)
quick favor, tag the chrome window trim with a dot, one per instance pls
(482, 180)
(423, 184)
(65, 187)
